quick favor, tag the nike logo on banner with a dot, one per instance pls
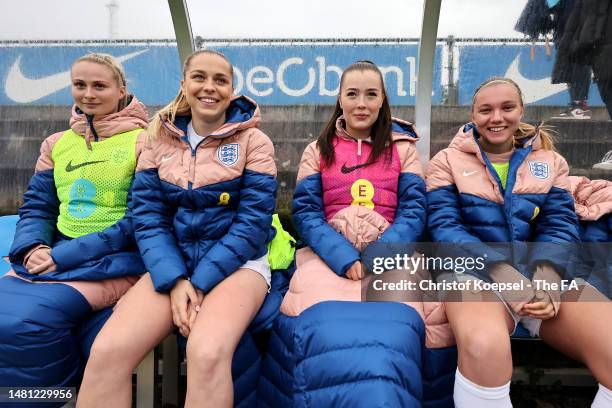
(346, 170)
(469, 173)
(533, 89)
(70, 167)
(21, 89)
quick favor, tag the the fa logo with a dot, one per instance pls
(228, 154)
(539, 169)
(224, 199)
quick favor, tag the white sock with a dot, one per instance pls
(468, 394)
(603, 398)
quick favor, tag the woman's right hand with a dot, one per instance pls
(185, 299)
(522, 291)
(40, 261)
(355, 272)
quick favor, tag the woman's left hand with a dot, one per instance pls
(541, 306)
(40, 261)
(183, 296)
(355, 272)
(194, 309)
(546, 303)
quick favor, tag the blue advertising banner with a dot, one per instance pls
(271, 74)
(477, 62)
(283, 73)
(40, 75)
(310, 74)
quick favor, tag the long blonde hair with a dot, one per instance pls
(525, 129)
(179, 105)
(116, 68)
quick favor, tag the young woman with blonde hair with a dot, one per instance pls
(74, 229)
(500, 180)
(204, 194)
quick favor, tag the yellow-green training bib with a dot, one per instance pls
(92, 185)
(502, 172)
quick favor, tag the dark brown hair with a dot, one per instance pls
(381, 129)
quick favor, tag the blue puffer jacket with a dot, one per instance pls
(468, 204)
(597, 257)
(46, 329)
(594, 208)
(108, 253)
(345, 354)
(203, 213)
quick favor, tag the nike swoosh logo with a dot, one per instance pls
(469, 173)
(533, 89)
(346, 170)
(70, 167)
(165, 159)
(21, 89)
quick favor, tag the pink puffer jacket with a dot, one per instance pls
(314, 282)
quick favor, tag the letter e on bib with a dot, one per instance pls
(362, 192)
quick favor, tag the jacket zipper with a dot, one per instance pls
(90, 119)
(507, 192)
(192, 166)
(191, 175)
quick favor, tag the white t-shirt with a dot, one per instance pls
(194, 138)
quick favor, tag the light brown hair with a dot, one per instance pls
(179, 105)
(116, 68)
(525, 129)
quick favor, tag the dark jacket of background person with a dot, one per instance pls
(537, 20)
(587, 37)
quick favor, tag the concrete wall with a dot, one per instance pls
(291, 128)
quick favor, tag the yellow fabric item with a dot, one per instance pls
(281, 249)
(92, 185)
(502, 171)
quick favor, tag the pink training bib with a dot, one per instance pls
(349, 181)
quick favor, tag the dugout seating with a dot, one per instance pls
(532, 358)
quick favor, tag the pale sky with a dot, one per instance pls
(150, 19)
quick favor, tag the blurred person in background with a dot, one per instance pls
(538, 19)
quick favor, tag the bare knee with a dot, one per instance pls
(486, 345)
(207, 358)
(599, 361)
(109, 354)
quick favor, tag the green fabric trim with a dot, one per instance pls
(281, 249)
(502, 171)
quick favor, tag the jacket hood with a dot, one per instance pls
(133, 116)
(403, 130)
(400, 130)
(593, 198)
(466, 140)
(242, 113)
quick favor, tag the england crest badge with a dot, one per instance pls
(539, 169)
(228, 154)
